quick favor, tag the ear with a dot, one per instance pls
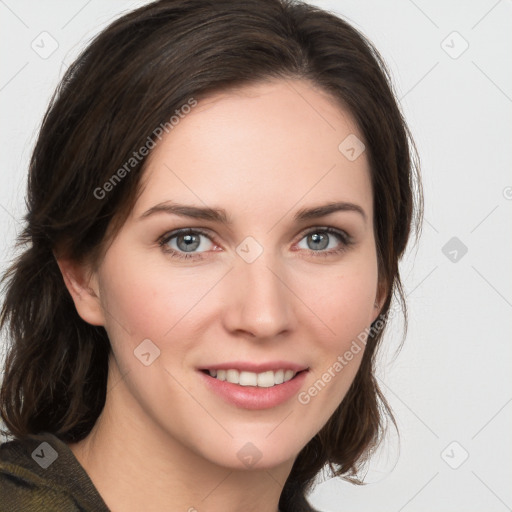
(82, 284)
(380, 298)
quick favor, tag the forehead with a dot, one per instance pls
(262, 145)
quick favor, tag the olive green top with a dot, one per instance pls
(40, 473)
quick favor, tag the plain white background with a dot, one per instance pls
(450, 385)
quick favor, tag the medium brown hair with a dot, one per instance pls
(129, 80)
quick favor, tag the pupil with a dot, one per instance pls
(320, 239)
(190, 242)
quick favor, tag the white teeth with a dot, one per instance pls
(233, 376)
(266, 379)
(263, 380)
(288, 374)
(248, 379)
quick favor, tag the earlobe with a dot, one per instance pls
(83, 287)
(376, 311)
(379, 301)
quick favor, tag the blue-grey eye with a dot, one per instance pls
(318, 241)
(321, 239)
(188, 242)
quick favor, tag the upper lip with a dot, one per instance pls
(250, 366)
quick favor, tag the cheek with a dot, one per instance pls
(134, 301)
(144, 300)
(343, 301)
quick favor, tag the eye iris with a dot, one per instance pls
(317, 238)
(191, 242)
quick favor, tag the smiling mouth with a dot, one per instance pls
(265, 379)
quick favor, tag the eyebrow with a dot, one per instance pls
(321, 211)
(220, 216)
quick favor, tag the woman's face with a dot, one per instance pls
(258, 285)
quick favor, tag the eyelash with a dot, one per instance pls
(343, 237)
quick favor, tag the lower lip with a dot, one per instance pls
(254, 397)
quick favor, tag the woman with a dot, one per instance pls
(218, 200)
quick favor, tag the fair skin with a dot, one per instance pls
(164, 440)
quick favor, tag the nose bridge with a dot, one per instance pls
(260, 301)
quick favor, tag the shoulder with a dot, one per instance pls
(39, 472)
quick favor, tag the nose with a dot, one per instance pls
(259, 302)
